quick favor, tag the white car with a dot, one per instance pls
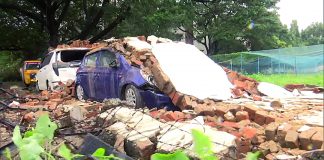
(59, 65)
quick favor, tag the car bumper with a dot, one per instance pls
(153, 99)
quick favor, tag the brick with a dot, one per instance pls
(256, 97)
(221, 110)
(229, 117)
(241, 115)
(260, 117)
(45, 93)
(305, 139)
(249, 132)
(273, 147)
(119, 144)
(281, 133)
(140, 148)
(160, 78)
(291, 139)
(240, 84)
(153, 59)
(243, 123)
(257, 140)
(142, 58)
(168, 88)
(251, 110)
(237, 92)
(51, 105)
(271, 131)
(270, 119)
(186, 102)
(55, 95)
(29, 117)
(177, 98)
(136, 62)
(232, 76)
(317, 139)
(229, 124)
(234, 108)
(58, 100)
(251, 87)
(205, 110)
(243, 146)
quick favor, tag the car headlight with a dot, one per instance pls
(148, 78)
(32, 75)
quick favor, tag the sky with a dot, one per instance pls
(304, 11)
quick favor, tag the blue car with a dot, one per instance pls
(106, 74)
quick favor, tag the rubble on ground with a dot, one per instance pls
(273, 126)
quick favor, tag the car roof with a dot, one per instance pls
(70, 48)
(97, 49)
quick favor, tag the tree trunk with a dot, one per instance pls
(212, 47)
(189, 36)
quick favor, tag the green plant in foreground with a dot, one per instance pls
(202, 148)
(35, 144)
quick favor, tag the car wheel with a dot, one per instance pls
(79, 93)
(132, 96)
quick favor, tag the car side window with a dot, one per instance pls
(106, 58)
(90, 60)
(47, 60)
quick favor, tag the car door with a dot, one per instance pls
(105, 84)
(43, 73)
(87, 74)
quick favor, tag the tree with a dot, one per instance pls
(267, 32)
(219, 24)
(295, 39)
(313, 34)
(65, 20)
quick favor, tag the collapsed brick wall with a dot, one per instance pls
(146, 60)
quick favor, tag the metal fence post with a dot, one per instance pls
(231, 64)
(271, 65)
(295, 65)
(241, 63)
(258, 64)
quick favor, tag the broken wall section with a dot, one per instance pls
(138, 52)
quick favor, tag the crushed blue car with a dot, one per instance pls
(106, 74)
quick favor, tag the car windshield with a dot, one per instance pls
(32, 65)
(72, 55)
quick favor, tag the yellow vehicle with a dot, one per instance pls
(29, 70)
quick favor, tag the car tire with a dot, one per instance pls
(79, 93)
(132, 96)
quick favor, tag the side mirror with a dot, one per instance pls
(114, 64)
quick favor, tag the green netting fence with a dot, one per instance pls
(297, 60)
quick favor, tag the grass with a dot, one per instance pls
(283, 79)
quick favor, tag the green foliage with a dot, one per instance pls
(65, 152)
(10, 63)
(313, 34)
(253, 156)
(41, 136)
(283, 79)
(35, 144)
(202, 148)
(7, 154)
(177, 155)
(202, 145)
